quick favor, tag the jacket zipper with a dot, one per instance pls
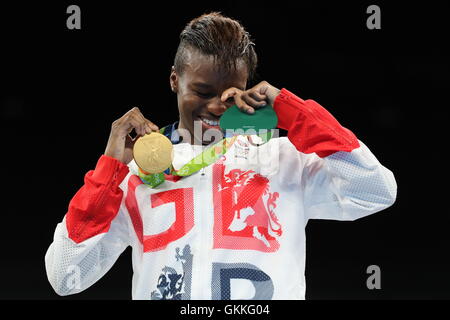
(203, 247)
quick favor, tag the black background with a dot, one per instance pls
(61, 90)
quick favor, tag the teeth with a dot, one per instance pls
(210, 122)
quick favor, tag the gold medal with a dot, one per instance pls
(153, 153)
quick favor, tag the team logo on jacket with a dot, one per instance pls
(245, 216)
(173, 283)
(241, 149)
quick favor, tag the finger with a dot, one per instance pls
(140, 116)
(141, 129)
(252, 102)
(231, 92)
(243, 105)
(127, 127)
(127, 118)
(131, 111)
(135, 123)
(148, 126)
(263, 89)
(140, 124)
(257, 96)
(151, 126)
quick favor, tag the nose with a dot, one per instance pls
(217, 107)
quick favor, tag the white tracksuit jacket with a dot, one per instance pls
(235, 229)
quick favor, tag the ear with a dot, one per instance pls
(173, 80)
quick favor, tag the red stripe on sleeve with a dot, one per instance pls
(97, 202)
(311, 128)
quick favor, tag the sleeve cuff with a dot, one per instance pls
(109, 170)
(286, 110)
(311, 128)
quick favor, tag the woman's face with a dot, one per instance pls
(199, 89)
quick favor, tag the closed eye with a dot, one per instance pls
(204, 94)
(207, 95)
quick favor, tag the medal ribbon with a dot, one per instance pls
(207, 157)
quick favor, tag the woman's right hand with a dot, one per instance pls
(120, 143)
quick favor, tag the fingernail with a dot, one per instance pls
(250, 111)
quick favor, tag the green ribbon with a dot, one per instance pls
(152, 180)
(207, 157)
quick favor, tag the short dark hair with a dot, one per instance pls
(222, 37)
